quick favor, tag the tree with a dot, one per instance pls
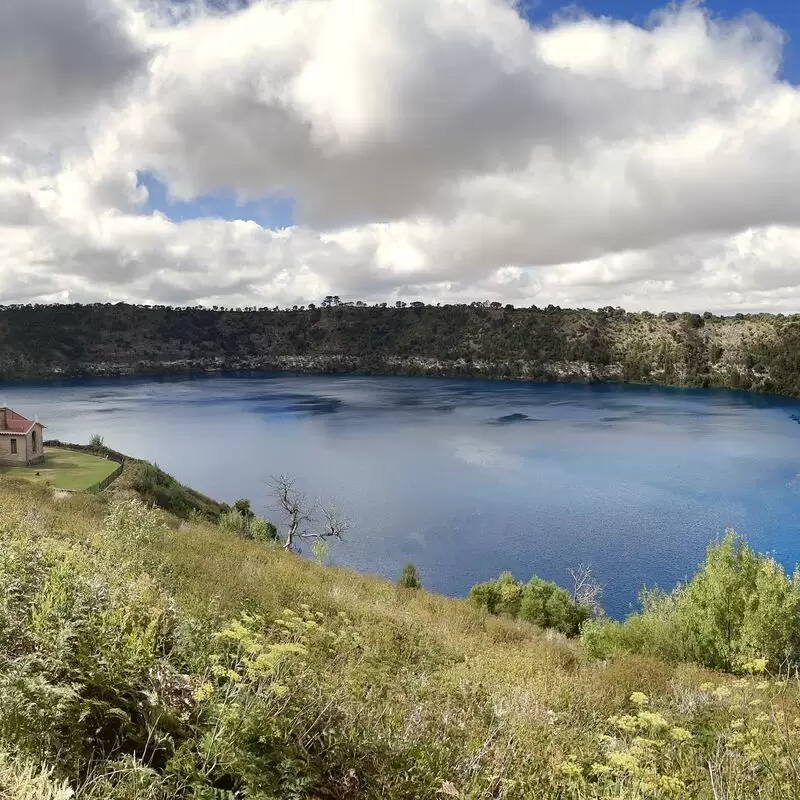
(96, 441)
(586, 591)
(548, 605)
(242, 505)
(305, 518)
(409, 578)
(741, 605)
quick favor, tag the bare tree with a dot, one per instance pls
(305, 518)
(586, 591)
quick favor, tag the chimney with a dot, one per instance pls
(4, 418)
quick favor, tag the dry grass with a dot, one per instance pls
(425, 696)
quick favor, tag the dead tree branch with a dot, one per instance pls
(305, 518)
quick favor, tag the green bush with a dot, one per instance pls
(409, 578)
(739, 606)
(232, 521)
(548, 605)
(539, 602)
(248, 526)
(262, 530)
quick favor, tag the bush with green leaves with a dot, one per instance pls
(409, 577)
(249, 526)
(539, 602)
(740, 605)
(262, 530)
(549, 605)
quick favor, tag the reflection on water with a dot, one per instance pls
(467, 477)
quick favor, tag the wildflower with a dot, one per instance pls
(651, 719)
(640, 699)
(671, 784)
(203, 691)
(623, 762)
(570, 768)
(679, 734)
(626, 723)
(722, 692)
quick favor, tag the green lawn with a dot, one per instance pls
(65, 469)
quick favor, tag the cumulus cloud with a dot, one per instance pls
(59, 57)
(440, 149)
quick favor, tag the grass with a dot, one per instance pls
(65, 469)
(145, 659)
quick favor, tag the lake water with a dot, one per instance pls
(467, 478)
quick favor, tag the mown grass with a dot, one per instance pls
(65, 469)
(143, 658)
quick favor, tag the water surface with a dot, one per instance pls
(467, 478)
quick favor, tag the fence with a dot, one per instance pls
(111, 455)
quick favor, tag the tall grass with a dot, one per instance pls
(144, 659)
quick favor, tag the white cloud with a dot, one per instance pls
(58, 58)
(435, 148)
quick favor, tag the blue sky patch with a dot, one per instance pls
(269, 212)
(785, 14)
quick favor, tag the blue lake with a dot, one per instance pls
(467, 478)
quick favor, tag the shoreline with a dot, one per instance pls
(576, 373)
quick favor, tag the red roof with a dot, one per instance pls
(14, 422)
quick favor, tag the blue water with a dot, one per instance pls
(467, 478)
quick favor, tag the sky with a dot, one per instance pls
(273, 152)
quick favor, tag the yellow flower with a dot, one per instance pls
(625, 723)
(623, 762)
(203, 692)
(678, 734)
(570, 769)
(671, 784)
(652, 719)
(722, 692)
(640, 699)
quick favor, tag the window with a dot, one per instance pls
(33, 440)
(13, 447)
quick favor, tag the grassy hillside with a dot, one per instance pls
(139, 478)
(759, 352)
(140, 659)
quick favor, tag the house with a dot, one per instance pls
(21, 440)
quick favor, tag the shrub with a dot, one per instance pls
(542, 603)
(232, 521)
(262, 530)
(96, 441)
(409, 579)
(739, 606)
(548, 605)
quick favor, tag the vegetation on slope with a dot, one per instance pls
(142, 660)
(760, 352)
(65, 469)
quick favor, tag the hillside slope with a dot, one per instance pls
(145, 660)
(752, 352)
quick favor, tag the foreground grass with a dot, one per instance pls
(65, 469)
(142, 658)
